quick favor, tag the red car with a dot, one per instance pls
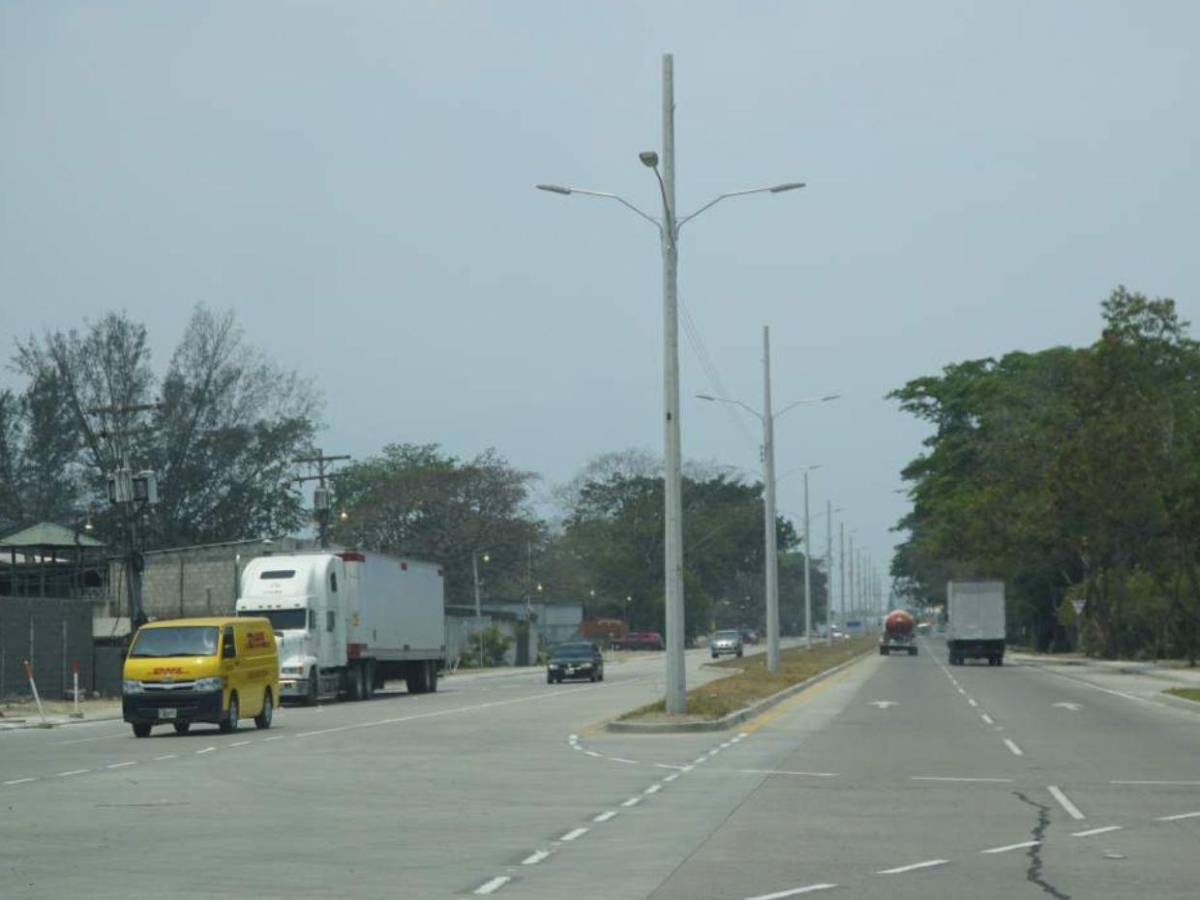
(639, 640)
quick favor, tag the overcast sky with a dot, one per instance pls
(356, 181)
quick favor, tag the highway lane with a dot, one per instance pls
(886, 780)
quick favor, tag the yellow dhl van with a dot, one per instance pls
(181, 671)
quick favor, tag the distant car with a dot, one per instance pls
(723, 642)
(749, 636)
(639, 640)
(578, 660)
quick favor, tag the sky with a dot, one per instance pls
(356, 181)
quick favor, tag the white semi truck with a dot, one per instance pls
(975, 621)
(346, 621)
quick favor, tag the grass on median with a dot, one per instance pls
(751, 681)
(1185, 693)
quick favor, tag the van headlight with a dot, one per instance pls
(204, 685)
(131, 687)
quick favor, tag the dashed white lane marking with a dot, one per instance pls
(207, 750)
(573, 738)
(1176, 783)
(794, 892)
(574, 833)
(494, 885)
(670, 778)
(122, 765)
(632, 801)
(653, 789)
(165, 756)
(972, 702)
(1065, 802)
(1091, 831)
(73, 772)
(605, 816)
(788, 772)
(1007, 847)
(278, 737)
(621, 759)
(927, 864)
(593, 753)
(1016, 751)
(986, 718)
(19, 781)
(239, 743)
(676, 768)
(1178, 816)
(963, 780)
(534, 858)
(961, 691)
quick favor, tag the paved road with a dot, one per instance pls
(504, 787)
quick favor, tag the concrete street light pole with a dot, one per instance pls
(807, 572)
(769, 536)
(829, 572)
(842, 567)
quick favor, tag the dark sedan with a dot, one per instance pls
(582, 660)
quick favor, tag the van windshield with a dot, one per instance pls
(281, 619)
(182, 640)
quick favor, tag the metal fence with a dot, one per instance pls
(51, 634)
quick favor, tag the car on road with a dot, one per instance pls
(726, 642)
(749, 636)
(639, 640)
(581, 660)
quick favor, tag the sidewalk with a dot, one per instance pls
(1175, 672)
(1147, 681)
(24, 714)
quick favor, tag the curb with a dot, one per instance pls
(737, 716)
(19, 724)
(1183, 703)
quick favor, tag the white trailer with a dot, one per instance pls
(348, 621)
(975, 621)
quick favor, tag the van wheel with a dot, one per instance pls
(182, 727)
(141, 729)
(263, 719)
(229, 724)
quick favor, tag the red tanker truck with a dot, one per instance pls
(899, 634)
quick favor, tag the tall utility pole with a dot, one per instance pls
(321, 503)
(829, 572)
(842, 566)
(668, 228)
(772, 542)
(807, 570)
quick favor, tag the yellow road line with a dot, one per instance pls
(803, 696)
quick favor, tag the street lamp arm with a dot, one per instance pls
(774, 189)
(754, 412)
(559, 189)
(806, 401)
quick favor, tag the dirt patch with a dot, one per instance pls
(749, 681)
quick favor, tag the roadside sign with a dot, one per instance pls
(1078, 604)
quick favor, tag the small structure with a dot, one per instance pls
(48, 560)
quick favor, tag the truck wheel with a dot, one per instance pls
(314, 688)
(141, 729)
(912, 651)
(431, 682)
(415, 677)
(999, 660)
(354, 685)
(263, 719)
(229, 724)
(369, 680)
(883, 651)
(182, 727)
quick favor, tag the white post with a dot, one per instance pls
(829, 572)
(676, 693)
(772, 545)
(807, 575)
(478, 608)
(75, 679)
(33, 685)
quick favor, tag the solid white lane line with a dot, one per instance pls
(1013, 747)
(534, 858)
(102, 737)
(122, 765)
(1008, 847)
(1065, 802)
(207, 750)
(494, 885)
(699, 759)
(165, 756)
(972, 702)
(986, 718)
(632, 801)
(576, 833)
(1178, 816)
(653, 789)
(19, 781)
(956, 779)
(605, 816)
(1179, 783)
(928, 864)
(1091, 831)
(794, 892)
(788, 772)
(73, 772)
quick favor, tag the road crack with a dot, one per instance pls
(1033, 874)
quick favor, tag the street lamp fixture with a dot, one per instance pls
(649, 159)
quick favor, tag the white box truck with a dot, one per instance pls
(346, 621)
(975, 623)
